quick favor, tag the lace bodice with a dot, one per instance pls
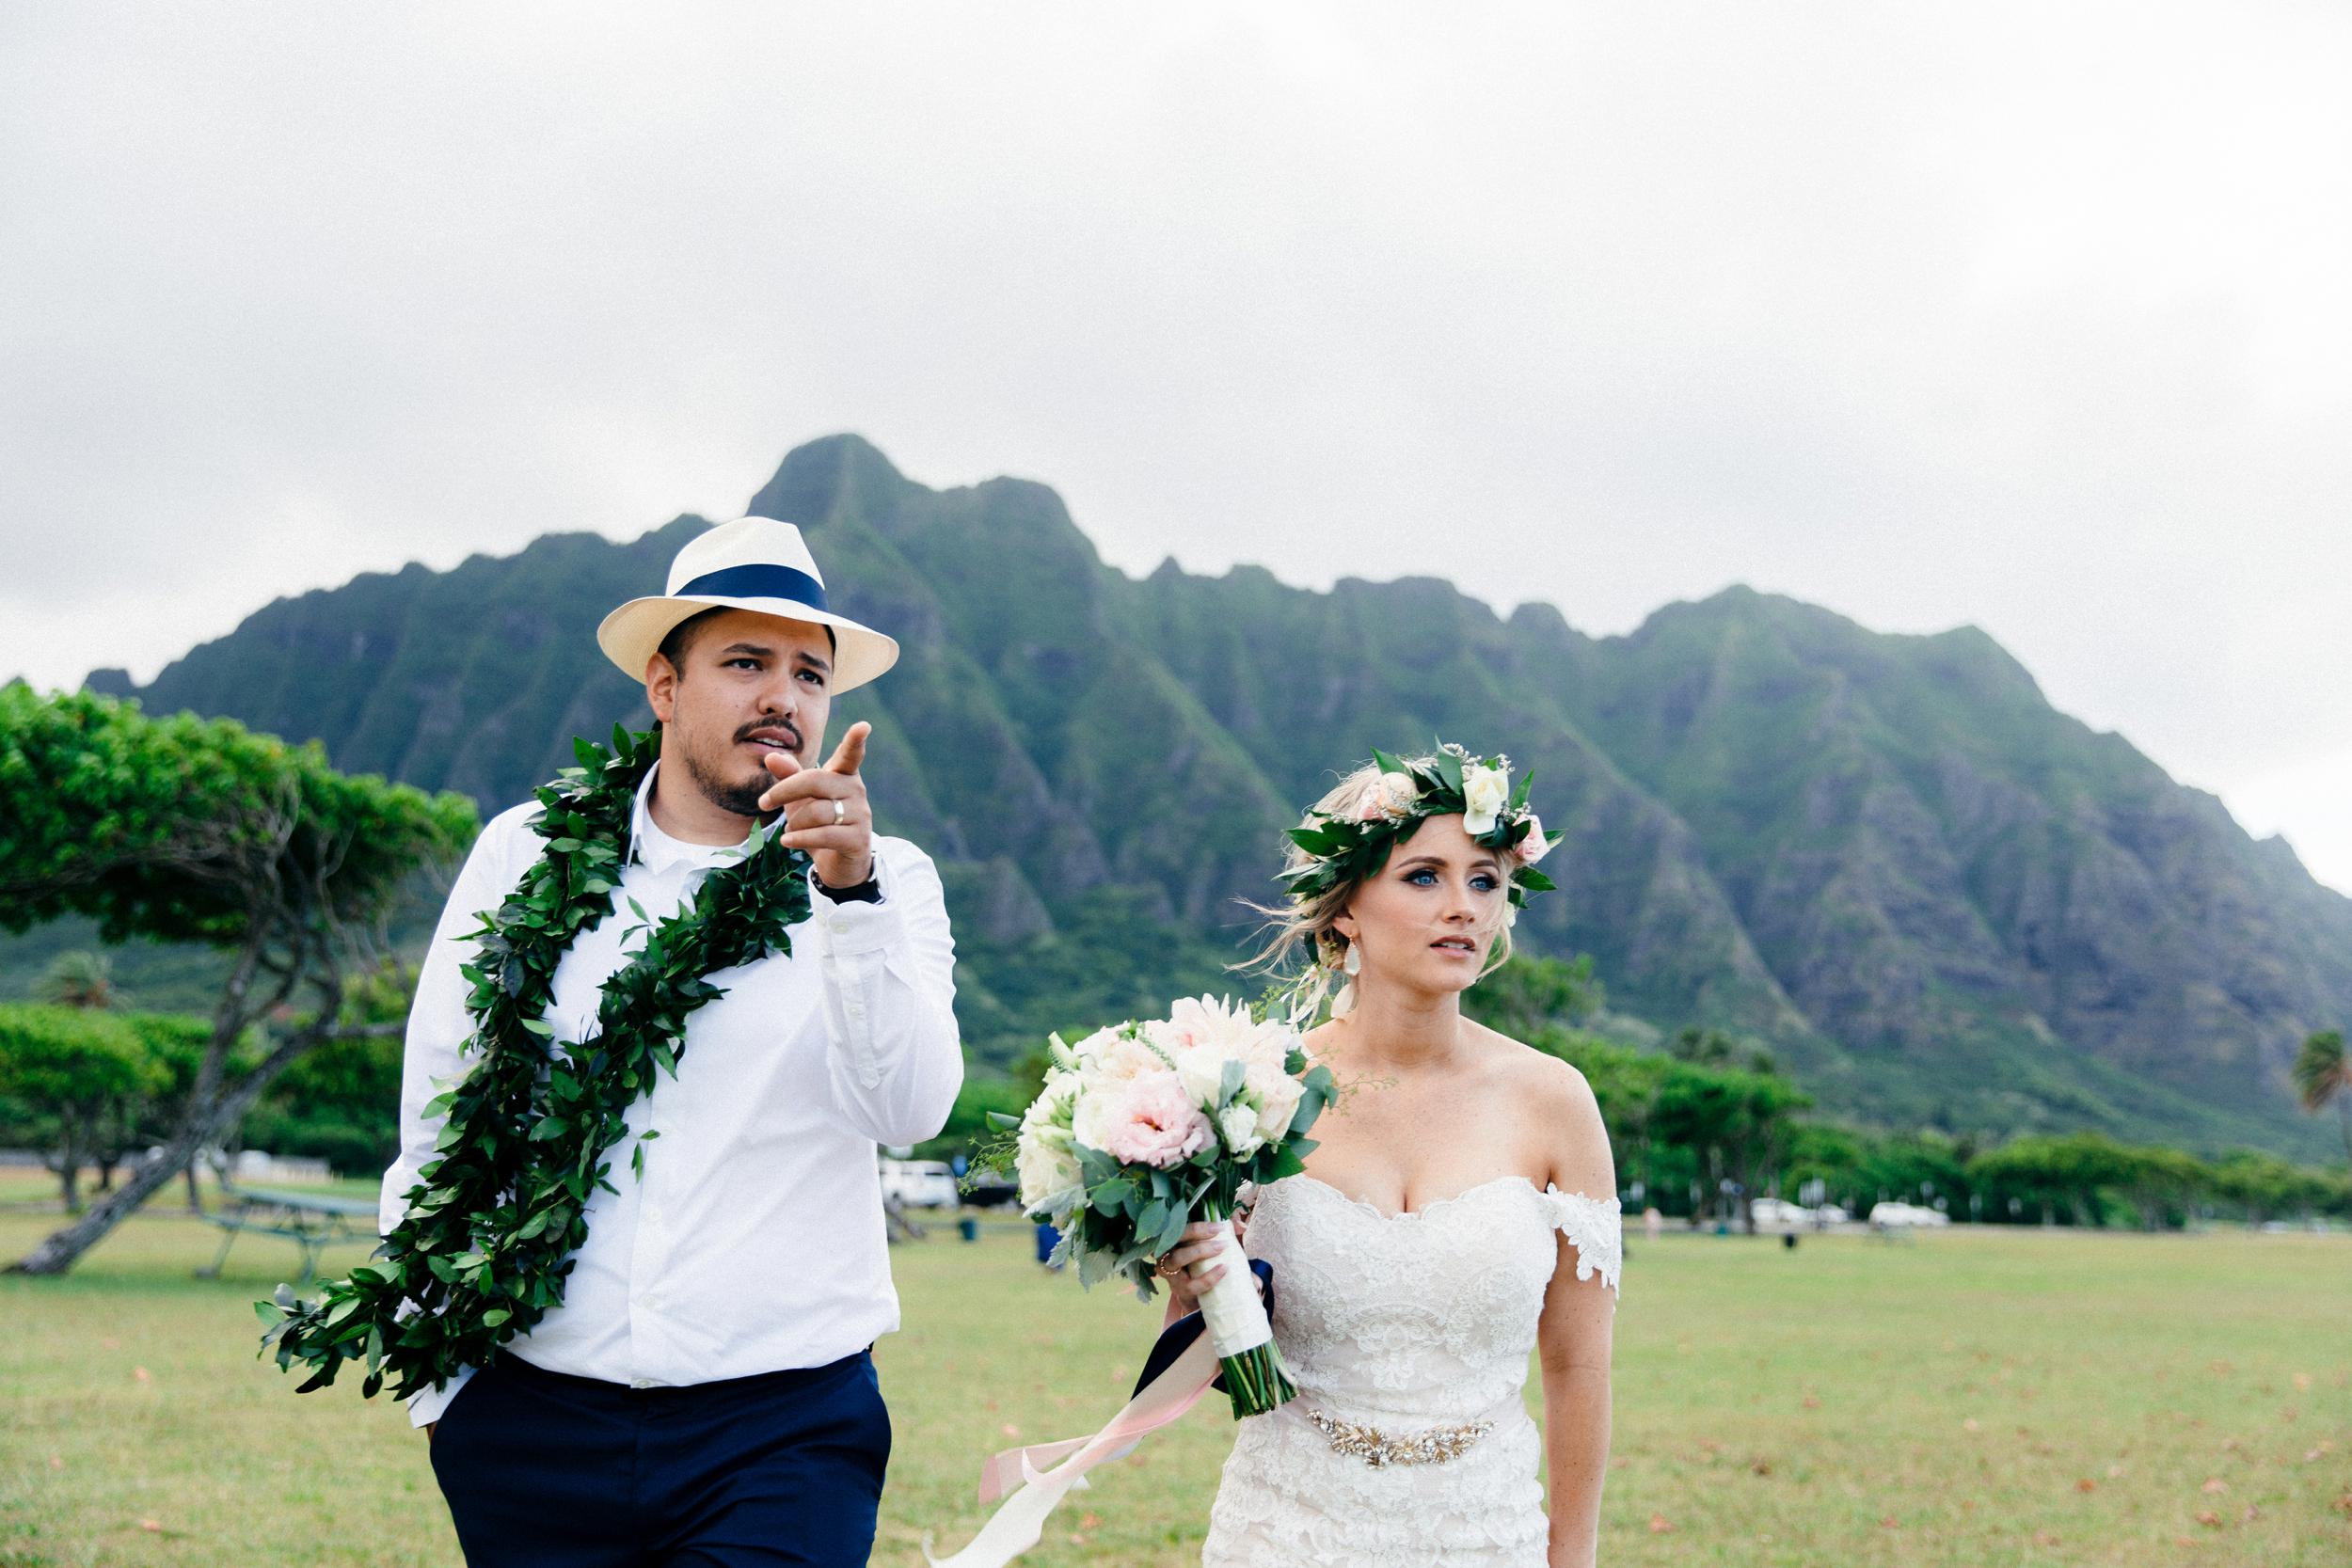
(1404, 1321)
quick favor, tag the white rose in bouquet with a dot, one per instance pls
(1238, 1124)
(1277, 1093)
(1484, 792)
(1046, 1172)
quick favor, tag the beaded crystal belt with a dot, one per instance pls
(1378, 1449)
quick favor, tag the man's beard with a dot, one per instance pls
(742, 799)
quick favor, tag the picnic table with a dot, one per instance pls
(311, 1221)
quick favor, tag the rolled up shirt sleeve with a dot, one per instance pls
(439, 1028)
(896, 1060)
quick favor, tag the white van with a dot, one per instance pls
(920, 1183)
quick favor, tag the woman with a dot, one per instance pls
(1457, 1212)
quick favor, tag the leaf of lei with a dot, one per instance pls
(495, 1218)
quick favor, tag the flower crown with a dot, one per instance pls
(1353, 844)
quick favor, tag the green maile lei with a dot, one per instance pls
(1345, 849)
(495, 1220)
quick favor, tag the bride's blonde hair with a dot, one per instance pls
(1303, 947)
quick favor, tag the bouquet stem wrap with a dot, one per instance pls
(1241, 1334)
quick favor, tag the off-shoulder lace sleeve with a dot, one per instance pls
(1596, 1227)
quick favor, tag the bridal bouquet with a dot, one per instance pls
(1143, 1128)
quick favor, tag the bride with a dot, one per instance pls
(1458, 1213)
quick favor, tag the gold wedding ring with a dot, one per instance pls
(840, 810)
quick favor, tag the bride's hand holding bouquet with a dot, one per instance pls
(1145, 1128)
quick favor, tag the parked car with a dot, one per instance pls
(1779, 1211)
(920, 1183)
(1889, 1215)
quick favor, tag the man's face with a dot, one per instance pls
(752, 684)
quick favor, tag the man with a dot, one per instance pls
(704, 1393)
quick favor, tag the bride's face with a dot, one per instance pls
(1426, 920)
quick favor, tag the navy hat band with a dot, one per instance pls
(759, 581)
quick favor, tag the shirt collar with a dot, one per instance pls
(658, 851)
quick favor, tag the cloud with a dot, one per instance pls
(2008, 315)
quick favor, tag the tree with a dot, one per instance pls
(1736, 1120)
(1530, 991)
(80, 978)
(75, 1065)
(2323, 1073)
(192, 830)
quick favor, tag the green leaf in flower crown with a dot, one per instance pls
(1386, 763)
(1534, 881)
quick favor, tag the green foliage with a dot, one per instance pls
(1530, 991)
(968, 1127)
(70, 1059)
(490, 1228)
(1109, 956)
(77, 1071)
(159, 828)
(341, 1104)
(80, 977)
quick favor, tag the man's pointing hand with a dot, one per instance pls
(825, 811)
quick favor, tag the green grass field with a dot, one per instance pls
(1973, 1398)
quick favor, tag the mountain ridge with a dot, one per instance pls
(1941, 900)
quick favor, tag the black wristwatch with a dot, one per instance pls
(867, 892)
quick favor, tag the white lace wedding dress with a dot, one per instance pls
(1406, 1334)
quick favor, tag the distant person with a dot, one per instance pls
(1459, 1212)
(702, 1393)
(1653, 1223)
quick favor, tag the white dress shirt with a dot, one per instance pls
(753, 1242)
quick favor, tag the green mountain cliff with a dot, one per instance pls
(1940, 901)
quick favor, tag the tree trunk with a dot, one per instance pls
(57, 1251)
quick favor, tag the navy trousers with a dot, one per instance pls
(544, 1470)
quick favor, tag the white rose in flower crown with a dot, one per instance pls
(1484, 792)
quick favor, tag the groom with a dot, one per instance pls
(704, 1394)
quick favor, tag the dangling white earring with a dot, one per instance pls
(1354, 962)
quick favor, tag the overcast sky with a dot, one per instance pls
(2031, 317)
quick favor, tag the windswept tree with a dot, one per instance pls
(2323, 1076)
(193, 830)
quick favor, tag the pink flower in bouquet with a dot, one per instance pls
(1123, 1061)
(1535, 846)
(1151, 1121)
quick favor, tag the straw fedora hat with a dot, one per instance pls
(753, 563)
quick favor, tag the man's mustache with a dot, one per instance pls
(785, 724)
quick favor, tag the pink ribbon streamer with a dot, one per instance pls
(1031, 1492)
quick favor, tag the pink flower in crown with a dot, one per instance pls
(1155, 1123)
(1535, 846)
